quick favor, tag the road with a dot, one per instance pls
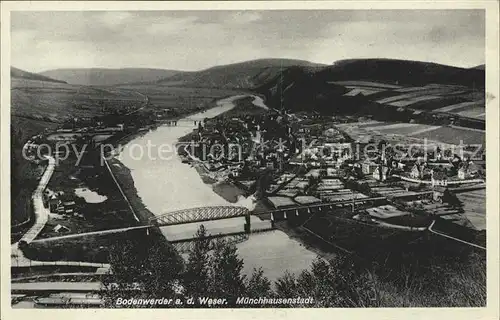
(18, 259)
(452, 238)
(93, 233)
(146, 100)
(41, 213)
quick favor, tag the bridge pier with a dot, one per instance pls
(247, 224)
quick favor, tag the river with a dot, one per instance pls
(165, 184)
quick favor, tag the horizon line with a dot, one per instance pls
(320, 64)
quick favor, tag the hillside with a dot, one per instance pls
(404, 72)
(107, 77)
(16, 73)
(243, 75)
(365, 86)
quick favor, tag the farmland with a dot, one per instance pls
(461, 106)
(456, 99)
(475, 207)
(454, 135)
(406, 131)
(364, 91)
(403, 128)
(179, 98)
(368, 84)
(56, 101)
(474, 112)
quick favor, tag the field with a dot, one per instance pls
(56, 101)
(368, 84)
(461, 106)
(403, 97)
(403, 128)
(385, 128)
(435, 104)
(475, 207)
(454, 135)
(183, 99)
(410, 101)
(364, 91)
(363, 131)
(431, 91)
(111, 213)
(455, 99)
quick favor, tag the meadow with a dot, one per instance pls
(185, 99)
(57, 102)
(451, 135)
(454, 135)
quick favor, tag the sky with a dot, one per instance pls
(195, 40)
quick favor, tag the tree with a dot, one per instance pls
(258, 285)
(331, 284)
(226, 280)
(196, 275)
(141, 267)
(286, 286)
(263, 183)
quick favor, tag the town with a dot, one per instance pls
(293, 160)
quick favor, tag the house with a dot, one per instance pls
(381, 173)
(437, 193)
(281, 202)
(439, 178)
(462, 173)
(367, 167)
(416, 171)
(59, 229)
(468, 170)
(401, 165)
(270, 165)
(54, 203)
(67, 207)
(69, 204)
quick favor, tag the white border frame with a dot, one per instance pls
(492, 144)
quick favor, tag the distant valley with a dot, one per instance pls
(108, 77)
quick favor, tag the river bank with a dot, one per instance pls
(322, 250)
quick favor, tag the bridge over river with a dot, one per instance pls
(211, 213)
(240, 233)
(233, 234)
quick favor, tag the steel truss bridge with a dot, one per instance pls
(199, 214)
(202, 214)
